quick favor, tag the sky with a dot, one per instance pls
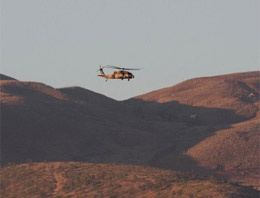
(61, 43)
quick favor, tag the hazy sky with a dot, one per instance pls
(62, 42)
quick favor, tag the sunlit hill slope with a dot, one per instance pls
(80, 180)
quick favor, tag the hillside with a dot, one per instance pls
(107, 180)
(75, 124)
(207, 125)
(238, 92)
(52, 125)
(233, 151)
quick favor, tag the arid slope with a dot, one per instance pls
(106, 180)
(238, 92)
(233, 151)
(208, 125)
(73, 124)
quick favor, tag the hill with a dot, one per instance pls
(233, 151)
(52, 125)
(107, 180)
(75, 124)
(4, 77)
(207, 125)
(238, 92)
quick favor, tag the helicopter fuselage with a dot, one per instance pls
(119, 74)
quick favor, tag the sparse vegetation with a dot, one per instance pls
(106, 180)
(23, 180)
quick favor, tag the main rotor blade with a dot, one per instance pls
(112, 67)
(131, 68)
(115, 67)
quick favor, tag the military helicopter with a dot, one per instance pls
(121, 73)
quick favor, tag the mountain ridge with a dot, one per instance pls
(75, 124)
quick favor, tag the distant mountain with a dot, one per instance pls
(208, 125)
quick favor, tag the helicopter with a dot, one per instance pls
(121, 73)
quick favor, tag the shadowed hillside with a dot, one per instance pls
(40, 123)
(208, 125)
(106, 180)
